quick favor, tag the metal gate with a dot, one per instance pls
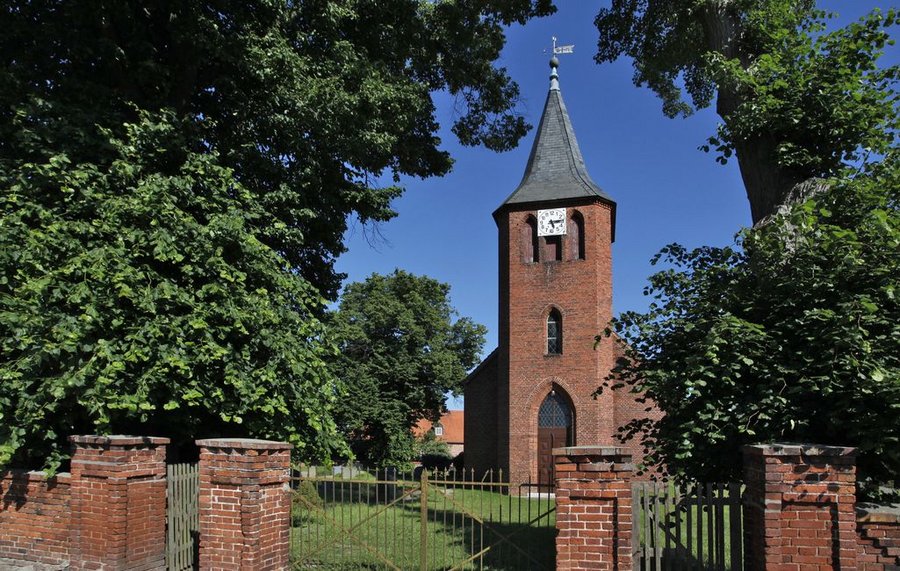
(182, 516)
(421, 521)
(698, 526)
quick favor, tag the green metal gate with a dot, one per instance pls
(421, 521)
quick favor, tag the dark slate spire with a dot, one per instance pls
(555, 169)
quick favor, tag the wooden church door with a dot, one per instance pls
(554, 431)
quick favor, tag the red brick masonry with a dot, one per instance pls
(593, 508)
(34, 517)
(799, 507)
(245, 504)
(118, 502)
(878, 527)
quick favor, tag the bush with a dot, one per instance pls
(436, 461)
(305, 501)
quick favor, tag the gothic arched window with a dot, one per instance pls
(575, 237)
(554, 333)
(554, 412)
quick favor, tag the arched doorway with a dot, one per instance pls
(555, 430)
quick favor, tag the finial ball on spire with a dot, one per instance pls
(554, 62)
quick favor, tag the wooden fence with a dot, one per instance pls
(698, 526)
(183, 516)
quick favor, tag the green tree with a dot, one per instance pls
(790, 335)
(136, 298)
(797, 101)
(401, 351)
(175, 181)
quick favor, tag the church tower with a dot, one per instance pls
(534, 393)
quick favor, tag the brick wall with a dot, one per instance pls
(108, 513)
(878, 530)
(118, 502)
(582, 292)
(799, 507)
(481, 417)
(34, 517)
(245, 504)
(593, 508)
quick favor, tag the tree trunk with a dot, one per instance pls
(767, 183)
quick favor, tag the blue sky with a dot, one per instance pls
(666, 189)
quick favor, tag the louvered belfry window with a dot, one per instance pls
(554, 412)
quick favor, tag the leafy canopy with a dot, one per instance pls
(789, 335)
(797, 99)
(136, 298)
(175, 182)
(402, 349)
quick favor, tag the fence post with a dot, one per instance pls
(593, 508)
(423, 520)
(245, 504)
(799, 507)
(118, 503)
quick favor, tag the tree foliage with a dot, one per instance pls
(797, 100)
(789, 335)
(401, 351)
(136, 298)
(176, 179)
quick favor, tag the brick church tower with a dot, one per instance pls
(534, 392)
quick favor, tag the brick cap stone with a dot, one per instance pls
(118, 440)
(590, 451)
(34, 476)
(244, 443)
(876, 513)
(791, 449)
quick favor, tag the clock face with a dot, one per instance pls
(551, 222)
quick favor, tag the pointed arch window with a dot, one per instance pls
(529, 241)
(554, 333)
(556, 427)
(575, 237)
(554, 412)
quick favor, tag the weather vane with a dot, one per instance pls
(562, 49)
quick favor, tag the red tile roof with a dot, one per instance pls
(453, 425)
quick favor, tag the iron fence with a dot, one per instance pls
(420, 520)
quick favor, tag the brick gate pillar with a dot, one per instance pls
(593, 508)
(245, 504)
(118, 503)
(799, 507)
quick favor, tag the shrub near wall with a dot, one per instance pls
(34, 517)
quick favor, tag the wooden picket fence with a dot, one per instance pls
(183, 516)
(698, 526)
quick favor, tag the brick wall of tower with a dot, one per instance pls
(502, 402)
(582, 292)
